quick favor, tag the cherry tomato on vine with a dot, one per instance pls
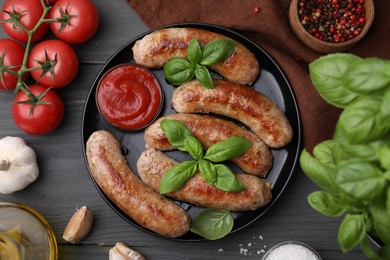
(42, 118)
(80, 20)
(58, 60)
(11, 57)
(27, 13)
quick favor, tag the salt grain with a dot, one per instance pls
(291, 252)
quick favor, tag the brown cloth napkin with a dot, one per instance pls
(266, 23)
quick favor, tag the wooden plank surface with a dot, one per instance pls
(64, 183)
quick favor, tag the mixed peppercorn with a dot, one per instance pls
(332, 20)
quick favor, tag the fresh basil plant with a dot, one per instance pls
(180, 70)
(353, 168)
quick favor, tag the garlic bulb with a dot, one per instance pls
(122, 252)
(18, 165)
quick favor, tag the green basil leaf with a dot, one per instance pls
(226, 180)
(367, 76)
(322, 175)
(217, 50)
(177, 176)
(388, 201)
(381, 218)
(367, 249)
(352, 231)
(329, 153)
(326, 203)
(208, 172)
(360, 151)
(176, 132)
(386, 175)
(203, 75)
(213, 224)
(324, 153)
(178, 71)
(351, 204)
(360, 179)
(194, 52)
(227, 149)
(361, 121)
(193, 147)
(385, 110)
(327, 72)
(384, 252)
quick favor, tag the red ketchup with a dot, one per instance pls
(129, 97)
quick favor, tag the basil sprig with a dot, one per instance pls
(218, 175)
(180, 70)
(213, 224)
(353, 168)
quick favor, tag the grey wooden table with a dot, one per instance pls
(64, 183)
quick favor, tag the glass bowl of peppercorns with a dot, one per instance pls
(330, 26)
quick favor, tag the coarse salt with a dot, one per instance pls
(291, 252)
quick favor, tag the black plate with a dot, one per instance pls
(272, 82)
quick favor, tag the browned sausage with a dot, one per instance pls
(111, 172)
(153, 163)
(240, 102)
(257, 160)
(158, 47)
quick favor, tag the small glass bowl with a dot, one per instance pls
(25, 234)
(302, 248)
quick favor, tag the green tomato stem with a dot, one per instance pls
(23, 69)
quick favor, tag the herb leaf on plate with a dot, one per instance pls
(180, 70)
(213, 224)
(181, 137)
(176, 177)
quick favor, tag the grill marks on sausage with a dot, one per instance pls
(209, 130)
(160, 46)
(152, 164)
(111, 172)
(239, 102)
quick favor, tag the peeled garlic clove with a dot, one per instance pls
(122, 252)
(79, 225)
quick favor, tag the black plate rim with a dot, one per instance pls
(297, 134)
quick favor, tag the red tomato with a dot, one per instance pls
(64, 65)
(44, 117)
(12, 55)
(30, 11)
(81, 20)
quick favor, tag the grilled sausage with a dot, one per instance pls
(153, 163)
(158, 47)
(257, 160)
(111, 172)
(236, 101)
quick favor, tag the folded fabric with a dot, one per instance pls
(266, 24)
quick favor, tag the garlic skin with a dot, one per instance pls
(18, 165)
(79, 225)
(122, 252)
